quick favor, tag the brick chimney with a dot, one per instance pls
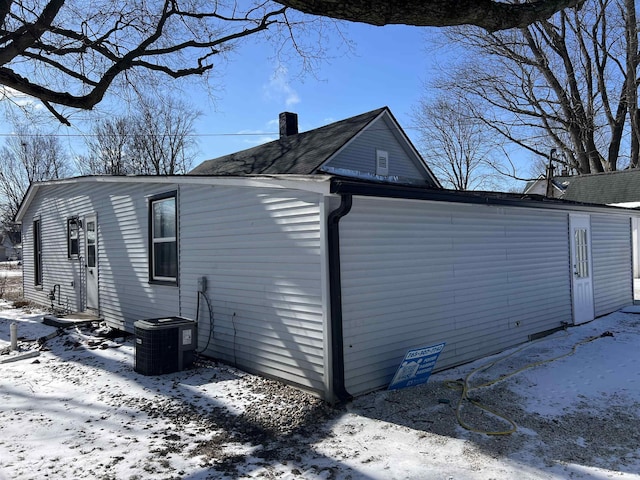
(288, 124)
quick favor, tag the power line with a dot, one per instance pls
(249, 134)
(83, 135)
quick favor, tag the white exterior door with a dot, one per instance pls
(581, 268)
(91, 260)
(635, 232)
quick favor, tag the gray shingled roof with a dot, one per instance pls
(605, 188)
(299, 154)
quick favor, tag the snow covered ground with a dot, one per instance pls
(78, 410)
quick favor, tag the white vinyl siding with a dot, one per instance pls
(260, 250)
(360, 155)
(57, 268)
(612, 269)
(123, 280)
(479, 278)
(125, 292)
(414, 273)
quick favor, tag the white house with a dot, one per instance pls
(326, 264)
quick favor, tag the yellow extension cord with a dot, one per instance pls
(464, 386)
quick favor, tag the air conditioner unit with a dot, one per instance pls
(164, 345)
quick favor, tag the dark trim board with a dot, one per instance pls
(343, 186)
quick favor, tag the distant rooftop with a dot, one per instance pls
(621, 186)
(293, 153)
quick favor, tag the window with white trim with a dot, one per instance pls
(163, 239)
(581, 253)
(73, 242)
(37, 252)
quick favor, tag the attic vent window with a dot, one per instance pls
(382, 162)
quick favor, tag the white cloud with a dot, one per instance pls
(261, 140)
(258, 137)
(17, 97)
(278, 88)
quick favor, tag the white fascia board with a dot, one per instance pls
(26, 201)
(310, 183)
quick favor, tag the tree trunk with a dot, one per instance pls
(632, 85)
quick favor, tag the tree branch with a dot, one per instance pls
(26, 36)
(92, 63)
(488, 14)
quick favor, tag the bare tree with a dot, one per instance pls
(163, 140)
(109, 148)
(456, 146)
(71, 52)
(632, 63)
(567, 83)
(488, 14)
(28, 157)
(157, 140)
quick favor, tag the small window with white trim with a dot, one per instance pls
(163, 239)
(73, 244)
(37, 252)
(382, 162)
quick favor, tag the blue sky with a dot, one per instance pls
(387, 66)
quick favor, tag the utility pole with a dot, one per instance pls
(550, 169)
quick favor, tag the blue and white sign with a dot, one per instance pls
(416, 367)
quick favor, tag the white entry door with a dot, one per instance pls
(581, 268)
(635, 235)
(91, 260)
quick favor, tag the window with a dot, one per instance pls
(91, 236)
(73, 244)
(581, 267)
(382, 163)
(37, 253)
(163, 243)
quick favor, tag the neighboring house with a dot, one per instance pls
(620, 188)
(325, 276)
(539, 186)
(10, 246)
(610, 188)
(368, 146)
